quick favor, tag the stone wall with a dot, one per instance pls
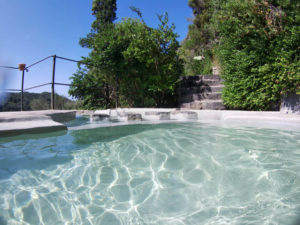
(290, 103)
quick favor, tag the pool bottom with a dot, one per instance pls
(162, 174)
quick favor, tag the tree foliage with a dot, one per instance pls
(131, 63)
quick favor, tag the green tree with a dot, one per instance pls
(105, 14)
(140, 64)
(90, 81)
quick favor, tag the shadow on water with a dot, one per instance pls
(40, 151)
(32, 136)
(80, 120)
(34, 151)
(104, 134)
(297, 221)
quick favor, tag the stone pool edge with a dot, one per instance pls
(16, 123)
(227, 118)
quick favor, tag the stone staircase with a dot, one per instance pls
(201, 92)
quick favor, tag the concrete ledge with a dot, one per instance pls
(17, 123)
(30, 127)
(56, 115)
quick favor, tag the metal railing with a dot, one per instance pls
(52, 83)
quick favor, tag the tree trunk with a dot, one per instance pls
(117, 90)
(107, 100)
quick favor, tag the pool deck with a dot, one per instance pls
(16, 123)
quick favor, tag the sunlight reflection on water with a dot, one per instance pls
(188, 173)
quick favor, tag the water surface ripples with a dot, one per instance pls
(187, 173)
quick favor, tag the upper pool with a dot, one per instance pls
(177, 173)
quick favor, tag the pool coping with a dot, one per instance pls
(16, 123)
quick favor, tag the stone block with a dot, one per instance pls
(134, 116)
(152, 113)
(164, 115)
(98, 117)
(180, 114)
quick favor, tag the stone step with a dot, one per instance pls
(211, 77)
(200, 83)
(192, 81)
(217, 88)
(200, 89)
(201, 92)
(204, 104)
(190, 78)
(201, 96)
(201, 77)
(209, 82)
(213, 104)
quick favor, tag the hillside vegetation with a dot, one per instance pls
(36, 101)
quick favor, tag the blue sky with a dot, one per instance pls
(34, 29)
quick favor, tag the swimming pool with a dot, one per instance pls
(173, 173)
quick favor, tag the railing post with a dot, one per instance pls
(53, 82)
(22, 89)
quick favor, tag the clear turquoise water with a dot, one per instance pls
(189, 173)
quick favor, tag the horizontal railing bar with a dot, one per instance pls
(77, 61)
(10, 90)
(9, 67)
(72, 60)
(59, 57)
(64, 84)
(39, 61)
(36, 86)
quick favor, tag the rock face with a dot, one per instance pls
(201, 92)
